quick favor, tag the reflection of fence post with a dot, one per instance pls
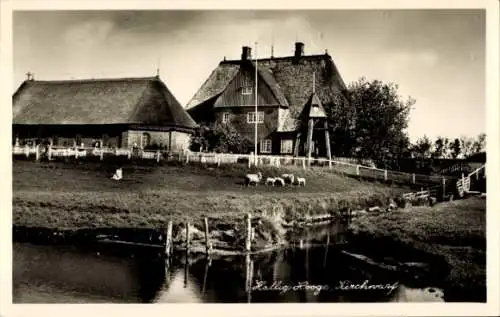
(208, 246)
(187, 237)
(168, 239)
(444, 187)
(207, 265)
(248, 245)
(249, 277)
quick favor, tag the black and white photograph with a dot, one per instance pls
(249, 156)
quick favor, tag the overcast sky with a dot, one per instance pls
(436, 57)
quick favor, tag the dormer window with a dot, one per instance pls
(246, 87)
(246, 90)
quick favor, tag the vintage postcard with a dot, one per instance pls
(178, 152)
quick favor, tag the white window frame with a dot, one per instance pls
(251, 117)
(225, 117)
(266, 146)
(284, 149)
(246, 90)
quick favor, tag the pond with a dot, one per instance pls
(313, 268)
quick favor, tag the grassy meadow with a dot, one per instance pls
(455, 231)
(82, 195)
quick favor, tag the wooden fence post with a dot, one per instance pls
(304, 163)
(385, 175)
(248, 245)
(187, 158)
(101, 155)
(413, 178)
(357, 170)
(208, 246)
(168, 239)
(37, 153)
(49, 152)
(76, 153)
(158, 156)
(27, 151)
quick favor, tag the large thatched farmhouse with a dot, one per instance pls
(115, 112)
(292, 91)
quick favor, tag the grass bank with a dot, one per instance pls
(452, 231)
(82, 195)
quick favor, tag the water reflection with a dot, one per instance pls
(68, 274)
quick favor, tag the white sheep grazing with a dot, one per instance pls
(288, 178)
(253, 179)
(278, 181)
(270, 181)
(301, 181)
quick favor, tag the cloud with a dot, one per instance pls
(421, 57)
(88, 33)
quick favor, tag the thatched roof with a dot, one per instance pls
(142, 101)
(289, 78)
(313, 108)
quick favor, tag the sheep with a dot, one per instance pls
(278, 181)
(118, 174)
(301, 181)
(253, 179)
(288, 178)
(270, 181)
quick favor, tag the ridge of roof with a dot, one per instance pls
(91, 80)
(270, 59)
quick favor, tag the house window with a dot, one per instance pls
(286, 146)
(246, 87)
(225, 117)
(246, 90)
(251, 117)
(266, 146)
(146, 140)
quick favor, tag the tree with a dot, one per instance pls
(220, 138)
(467, 146)
(372, 123)
(423, 147)
(440, 147)
(479, 145)
(455, 148)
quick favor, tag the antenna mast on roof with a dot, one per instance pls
(272, 45)
(256, 113)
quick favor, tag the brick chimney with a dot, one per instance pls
(299, 49)
(246, 53)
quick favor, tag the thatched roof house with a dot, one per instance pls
(286, 85)
(118, 112)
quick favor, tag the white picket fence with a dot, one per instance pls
(342, 165)
(463, 184)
